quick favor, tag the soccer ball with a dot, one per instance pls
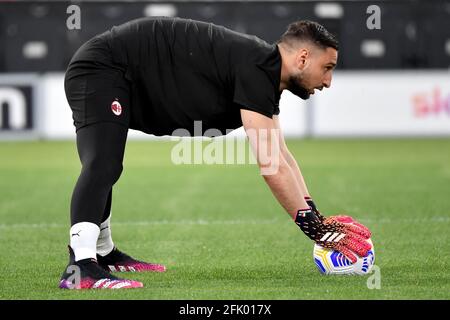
(329, 261)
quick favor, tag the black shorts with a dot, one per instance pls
(96, 87)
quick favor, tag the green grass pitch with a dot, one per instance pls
(220, 232)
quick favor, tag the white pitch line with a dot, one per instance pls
(409, 220)
(144, 223)
(434, 219)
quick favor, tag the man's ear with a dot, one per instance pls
(300, 58)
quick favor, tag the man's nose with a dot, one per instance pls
(327, 82)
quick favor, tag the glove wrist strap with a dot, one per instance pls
(308, 222)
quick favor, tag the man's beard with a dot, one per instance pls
(296, 89)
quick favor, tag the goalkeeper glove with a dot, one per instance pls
(339, 233)
(341, 218)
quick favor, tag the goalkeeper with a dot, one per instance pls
(159, 75)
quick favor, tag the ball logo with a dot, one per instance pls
(116, 108)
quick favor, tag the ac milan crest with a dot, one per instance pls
(116, 108)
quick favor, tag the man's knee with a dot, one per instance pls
(103, 171)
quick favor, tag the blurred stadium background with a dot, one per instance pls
(392, 81)
(388, 164)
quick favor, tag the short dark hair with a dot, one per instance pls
(305, 30)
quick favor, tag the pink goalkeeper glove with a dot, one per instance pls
(340, 233)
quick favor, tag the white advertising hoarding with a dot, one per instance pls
(55, 114)
(358, 104)
(293, 115)
(384, 104)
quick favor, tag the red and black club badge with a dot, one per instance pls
(116, 107)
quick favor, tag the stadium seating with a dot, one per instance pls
(34, 36)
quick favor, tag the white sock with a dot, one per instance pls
(104, 243)
(83, 238)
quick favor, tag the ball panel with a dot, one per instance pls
(329, 261)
